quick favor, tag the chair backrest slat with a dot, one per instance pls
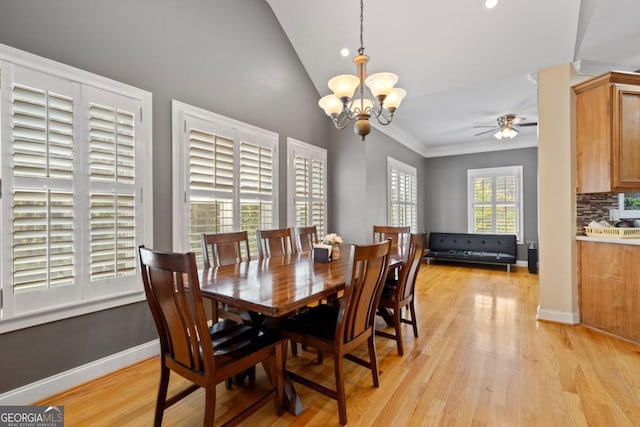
(365, 279)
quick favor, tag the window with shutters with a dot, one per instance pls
(495, 200)
(402, 189)
(306, 185)
(228, 170)
(72, 210)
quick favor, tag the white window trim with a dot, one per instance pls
(490, 172)
(628, 213)
(9, 56)
(179, 112)
(295, 147)
(407, 169)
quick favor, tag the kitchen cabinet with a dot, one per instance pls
(610, 288)
(608, 133)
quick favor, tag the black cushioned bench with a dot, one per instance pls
(466, 247)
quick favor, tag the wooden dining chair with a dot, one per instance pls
(276, 242)
(220, 249)
(203, 355)
(225, 248)
(306, 238)
(398, 235)
(339, 330)
(398, 295)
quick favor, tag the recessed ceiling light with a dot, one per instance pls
(490, 4)
(344, 52)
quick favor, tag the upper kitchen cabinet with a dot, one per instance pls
(608, 133)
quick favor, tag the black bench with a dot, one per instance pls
(466, 247)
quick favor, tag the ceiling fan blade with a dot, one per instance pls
(528, 124)
(487, 126)
(486, 131)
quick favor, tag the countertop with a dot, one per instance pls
(609, 240)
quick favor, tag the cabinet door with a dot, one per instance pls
(593, 140)
(626, 137)
(610, 289)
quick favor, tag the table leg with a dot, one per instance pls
(292, 402)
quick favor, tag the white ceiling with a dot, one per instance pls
(461, 64)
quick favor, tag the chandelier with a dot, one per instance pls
(376, 97)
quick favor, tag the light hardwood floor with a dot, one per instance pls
(481, 359)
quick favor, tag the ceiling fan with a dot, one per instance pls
(508, 126)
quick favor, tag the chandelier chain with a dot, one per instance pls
(361, 50)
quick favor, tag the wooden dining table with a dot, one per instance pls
(279, 286)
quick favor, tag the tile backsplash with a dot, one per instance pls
(594, 207)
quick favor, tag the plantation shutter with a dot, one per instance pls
(308, 185)
(256, 189)
(495, 200)
(71, 210)
(403, 194)
(229, 172)
(302, 203)
(211, 173)
(483, 204)
(42, 216)
(112, 198)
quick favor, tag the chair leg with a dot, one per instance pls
(162, 395)
(340, 390)
(397, 323)
(414, 319)
(294, 348)
(210, 405)
(373, 359)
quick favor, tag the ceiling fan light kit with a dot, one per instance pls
(506, 132)
(376, 95)
(508, 126)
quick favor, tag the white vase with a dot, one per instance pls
(335, 252)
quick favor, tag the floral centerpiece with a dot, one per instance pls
(334, 240)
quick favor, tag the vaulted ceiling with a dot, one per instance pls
(463, 65)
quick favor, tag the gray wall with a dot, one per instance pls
(445, 188)
(230, 57)
(359, 182)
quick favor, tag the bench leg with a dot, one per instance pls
(508, 268)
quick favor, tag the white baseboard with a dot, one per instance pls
(41, 389)
(558, 316)
(521, 263)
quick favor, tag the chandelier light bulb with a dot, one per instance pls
(331, 105)
(395, 97)
(344, 85)
(381, 83)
